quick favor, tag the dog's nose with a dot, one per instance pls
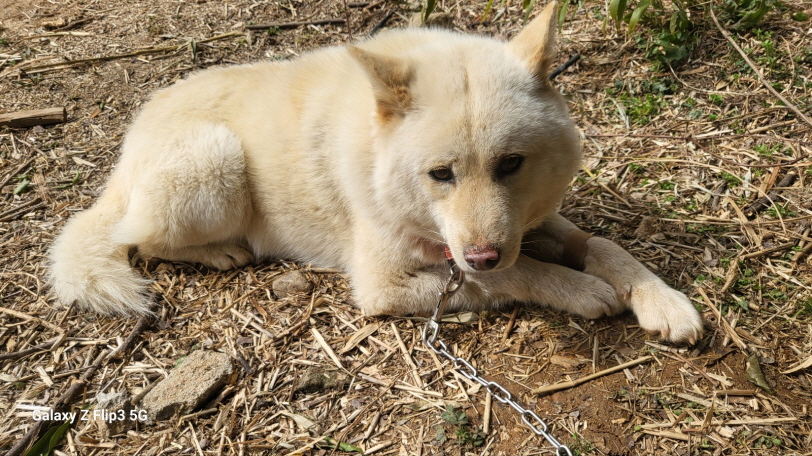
(482, 257)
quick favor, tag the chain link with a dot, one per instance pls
(467, 370)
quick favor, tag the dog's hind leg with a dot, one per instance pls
(195, 205)
(220, 256)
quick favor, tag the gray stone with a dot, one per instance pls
(196, 379)
(443, 20)
(113, 413)
(291, 283)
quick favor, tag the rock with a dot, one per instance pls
(443, 20)
(316, 380)
(199, 376)
(114, 413)
(291, 283)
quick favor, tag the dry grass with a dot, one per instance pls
(674, 162)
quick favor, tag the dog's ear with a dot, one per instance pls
(390, 80)
(535, 44)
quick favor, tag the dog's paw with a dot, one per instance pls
(592, 299)
(227, 256)
(662, 310)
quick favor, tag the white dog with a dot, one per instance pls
(374, 158)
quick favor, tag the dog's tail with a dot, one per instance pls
(90, 269)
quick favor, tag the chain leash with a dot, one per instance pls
(499, 392)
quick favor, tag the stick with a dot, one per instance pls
(726, 328)
(382, 23)
(582, 380)
(72, 63)
(486, 425)
(28, 206)
(757, 72)
(36, 320)
(765, 201)
(21, 353)
(330, 353)
(289, 25)
(564, 66)
(22, 119)
(761, 253)
(511, 322)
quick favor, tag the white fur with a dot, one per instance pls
(326, 159)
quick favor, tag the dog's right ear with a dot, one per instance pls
(535, 44)
(390, 79)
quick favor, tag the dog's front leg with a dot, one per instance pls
(380, 289)
(658, 307)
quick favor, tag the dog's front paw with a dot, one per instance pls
(662, 310)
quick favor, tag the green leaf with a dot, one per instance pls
(616, 10)
(638, 13)
(72, 182)
(47, 443)
(755, 375)
(752, 17)
(343, 446)
(487, 11)
(562, 13)
(430, 5)
(22, 187)
(528, 5)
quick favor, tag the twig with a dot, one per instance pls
(56, 33)
(486, 419)
(75, 24)
(15, 212)
(564, 66)
(726, 328)
(382, 23)
(761, 79)
(760, 253)
(766, 201)
(374, 4)
(580, 381)
(142, 324)
(349, 24)
(511, 322)
(289, 25)
(736, 392)
(36, 320)
(22, 353)
(72, 63)
(323, 343)
(805, 251)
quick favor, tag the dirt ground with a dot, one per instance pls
(674, 161)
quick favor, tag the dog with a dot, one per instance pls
(380, 158)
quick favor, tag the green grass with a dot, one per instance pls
(462, 432)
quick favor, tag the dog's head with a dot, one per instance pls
(473, 146)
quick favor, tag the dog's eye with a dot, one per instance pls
(442, 174)
(510, 164)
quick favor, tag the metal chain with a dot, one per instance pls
(499, 392)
